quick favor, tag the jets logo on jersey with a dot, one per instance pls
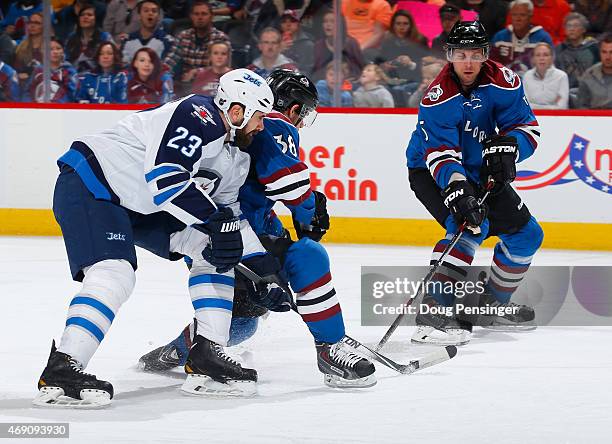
(509, 75)
(200, 112)
(435, 93)
(208, 181)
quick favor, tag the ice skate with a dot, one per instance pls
(516, 317)
(167, 357)
(342, 368)
(440, 329)
(63, 384)
(210, 372)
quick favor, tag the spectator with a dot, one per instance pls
(491, 13)
(7, 48)
(324, 49)
(367, 21)
(267, 13)
(147, 81)
(578, 53)
(513, 46)
(428, 75)
(14, 23)
(191, 48)
(68, 17)
(206, 80)
(58, 5)
(550, 14)
(595, 86)
(325, 88)
(82, 44)
(598, 13)
(121, 19)
(546, 87)
(63, 78)
(269, 45)
(107, 83)
(29, 51)
(151, 33)
(9, 85)
(449, 15)
(296, 44)
(372, 93)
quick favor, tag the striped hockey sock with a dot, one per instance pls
(506, 274)
(452, 268)
(212, 296)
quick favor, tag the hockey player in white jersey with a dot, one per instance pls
(165, 170)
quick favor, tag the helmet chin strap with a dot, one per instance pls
(233, 127)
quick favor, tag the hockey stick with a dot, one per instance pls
(432, 271)
(444, 354)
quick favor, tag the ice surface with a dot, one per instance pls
(549, 386)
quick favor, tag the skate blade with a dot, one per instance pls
(430, 335)
(53, 397)
(201, 385)
(517, 328)
(338, 382)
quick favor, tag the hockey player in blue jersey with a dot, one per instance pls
(474, 124)
(149, 181)
(278, 175)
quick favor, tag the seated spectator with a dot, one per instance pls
(9, 84)
(267, 13)
(598, 13)
(577, 53)
(324, 49)
(296, 44)
(449, 15)
(68, 17)
(269, 45)
(367, 21)
(121, 19)
(82, 44)
(372, 93)
(403, 50)
(151, 34)
(29, 52)
(7, 48)
(595, 86)
(63, 78)
(512, 46)
(147, 81)
(546, 87)
(491, 13)
(325, 88)
(107, 83)
(428, 75)
(14, 24)
(190, 50)
(206, 80)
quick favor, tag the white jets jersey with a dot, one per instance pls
(171, 158)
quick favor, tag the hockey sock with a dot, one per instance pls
(451, 270)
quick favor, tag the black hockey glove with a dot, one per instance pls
(268, 293)
(460, 199)
(225, 248)
(320, 220)
(499, 156)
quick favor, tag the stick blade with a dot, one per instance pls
(435, 357)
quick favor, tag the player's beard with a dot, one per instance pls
(243, 139)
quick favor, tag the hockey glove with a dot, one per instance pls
(460, 199)
(499, 156)
(225, 248)
(268, 293)
(320, 220)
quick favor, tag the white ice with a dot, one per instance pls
(552, 385)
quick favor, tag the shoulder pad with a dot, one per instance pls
(442, 89)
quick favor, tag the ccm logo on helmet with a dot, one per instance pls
(252, 79)
(452, 196)
(230, 226)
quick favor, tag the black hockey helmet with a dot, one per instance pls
(467, 35)
(291, 88)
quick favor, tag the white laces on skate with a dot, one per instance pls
(221, 353)
(78, 367)
(338, 353)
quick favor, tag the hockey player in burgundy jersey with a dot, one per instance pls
(474, 124)
(278, 175)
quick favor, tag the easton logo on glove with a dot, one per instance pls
(452, 196)
(500, 149)
(230, 226)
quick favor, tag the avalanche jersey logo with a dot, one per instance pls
(509, 75)
(435, 93)
(202, 113)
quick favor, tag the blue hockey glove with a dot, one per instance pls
(320, 220)
(225, 248)
(268, 293)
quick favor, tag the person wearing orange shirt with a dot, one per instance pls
(367, 20)
(549, 14)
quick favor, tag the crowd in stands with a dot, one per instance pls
(151, 51)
